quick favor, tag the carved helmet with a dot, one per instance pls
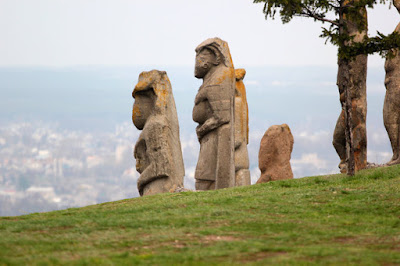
(220, 48)
(158, 82)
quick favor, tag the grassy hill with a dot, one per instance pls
(316, 220)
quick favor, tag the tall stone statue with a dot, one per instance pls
(241, 131)
(353, 74)
(391, 107)
(158, 150)
(213, 110)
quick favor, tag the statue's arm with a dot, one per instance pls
(210, 124)
(220, 106)
(148, 176)
(157, 151)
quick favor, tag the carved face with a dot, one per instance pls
(205, 60)
(143, 107)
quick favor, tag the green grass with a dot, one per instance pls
(316, 220)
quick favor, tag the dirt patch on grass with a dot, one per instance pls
(10, 218)
(218, 223)
(179, 244)
(188, 241)
(50, 230)
(206, 240)
(252, 257)
(391, 243)
(212, 238)
(344, 239)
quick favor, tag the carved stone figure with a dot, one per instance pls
(213, 110)
(391, 107)
(353, 74)
(275, 152)
(241, 131)
(158, 150)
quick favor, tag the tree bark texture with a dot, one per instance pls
(351, 80)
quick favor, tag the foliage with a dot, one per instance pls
(336, 31)
(332, 219)
(381, 44)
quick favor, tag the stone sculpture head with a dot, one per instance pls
(143, 106)
(206, 59)
(151, 93)
(210, 54)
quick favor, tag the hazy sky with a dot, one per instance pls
(159, 32)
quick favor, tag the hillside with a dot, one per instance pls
(315, 220)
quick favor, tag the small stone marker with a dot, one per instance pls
(275, 153)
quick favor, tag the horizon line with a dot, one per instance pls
(155, 66)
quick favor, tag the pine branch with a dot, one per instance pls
(382, 44)
(312, 14)
(333, 6)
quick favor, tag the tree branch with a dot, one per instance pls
(333, 6)
(309, 13)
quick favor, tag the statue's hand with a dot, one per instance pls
(200, 132)
(210, 125)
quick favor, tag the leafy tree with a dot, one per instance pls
(347, 29)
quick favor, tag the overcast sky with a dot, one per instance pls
(158, 32)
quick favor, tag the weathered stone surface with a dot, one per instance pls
(241, 131)
(213, 110)
(339, 139)
(354, 75)
(391, 107)
(275, 152)
(158, 150)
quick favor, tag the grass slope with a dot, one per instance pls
(316, 220)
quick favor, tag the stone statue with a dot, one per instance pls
(241, 131)
(213, 110)
(353, 74)
(158, 150)
(275, 152)
(391, 107)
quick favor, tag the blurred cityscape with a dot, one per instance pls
(42, 165)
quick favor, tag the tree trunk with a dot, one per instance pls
(352, 79)
(349, 122)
